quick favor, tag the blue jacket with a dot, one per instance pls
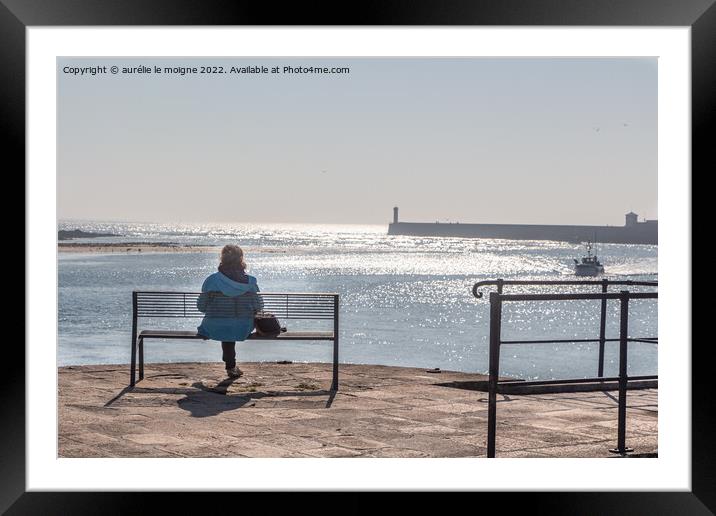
(229, 307)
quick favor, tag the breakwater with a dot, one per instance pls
(632, 232)
(603, 234)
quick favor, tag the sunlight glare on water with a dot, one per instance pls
(404, 300)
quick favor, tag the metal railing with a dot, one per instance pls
(605, 284)
(498, 298)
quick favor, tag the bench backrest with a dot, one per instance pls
(284, 305)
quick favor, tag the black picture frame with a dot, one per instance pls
(700, 15)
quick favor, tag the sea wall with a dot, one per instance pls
(642, 233)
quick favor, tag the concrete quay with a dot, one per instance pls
(286, 410)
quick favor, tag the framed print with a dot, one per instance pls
(388, 246)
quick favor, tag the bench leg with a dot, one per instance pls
(133, 364)
(334, 385)
(141, 358)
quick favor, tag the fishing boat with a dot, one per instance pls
(589, 266)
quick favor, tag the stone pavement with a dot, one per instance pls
(285, 410)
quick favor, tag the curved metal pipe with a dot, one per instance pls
(479, 284)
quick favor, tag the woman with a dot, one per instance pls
(229, 301)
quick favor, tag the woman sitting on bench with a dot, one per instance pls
(229, 301)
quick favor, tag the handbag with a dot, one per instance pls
(267, 324)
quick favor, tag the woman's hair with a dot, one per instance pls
(232, 257)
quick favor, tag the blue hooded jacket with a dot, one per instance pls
(229, 307)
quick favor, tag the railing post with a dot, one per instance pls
(494, 367)
(623, 379)
(602, 330)
(133, 365)
(334, 385)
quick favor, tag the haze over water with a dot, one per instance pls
(404, 300)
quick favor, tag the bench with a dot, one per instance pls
(285, 306)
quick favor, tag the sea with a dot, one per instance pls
(404, 300)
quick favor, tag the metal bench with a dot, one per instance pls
(285, 306)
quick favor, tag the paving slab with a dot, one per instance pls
(287, 410)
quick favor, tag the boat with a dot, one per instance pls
(589, 266)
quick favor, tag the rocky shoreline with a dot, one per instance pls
(133, 247)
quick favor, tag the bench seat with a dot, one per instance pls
(288, 335)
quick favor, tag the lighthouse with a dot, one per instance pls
(395, 215)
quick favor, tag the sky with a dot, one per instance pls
(482, 140)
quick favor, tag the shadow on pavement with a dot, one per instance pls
(202, 400)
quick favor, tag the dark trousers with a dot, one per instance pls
(228, 355)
